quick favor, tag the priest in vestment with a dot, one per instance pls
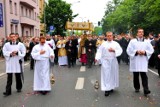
(70, 45)
(62, 54)
(82, 50)
(14, 52)
(42, 53)
(50, 42)
(99, 43)
(90, 50)
(139, 51)
(107, 53)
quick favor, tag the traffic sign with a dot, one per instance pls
(51, 28)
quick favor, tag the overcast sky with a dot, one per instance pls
(92, 10)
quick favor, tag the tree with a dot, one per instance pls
(131, 14)
(97, 31)
(152, 17)
(57, 13)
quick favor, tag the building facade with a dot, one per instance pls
(2, 19)
(20, 16)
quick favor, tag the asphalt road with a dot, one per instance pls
(74, 88)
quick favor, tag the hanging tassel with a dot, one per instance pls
(52, 79)
(96, 85)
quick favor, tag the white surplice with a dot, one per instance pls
(109, 65)
(12, 63)
(62, 60)
(42, 67)
(51, 43)
(139, 63)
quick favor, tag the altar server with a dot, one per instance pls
(139, 51)
(107, 53)
(42, 53)
(14, 53)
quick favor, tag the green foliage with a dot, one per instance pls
(131, 14)
(97, 30)
(57, 12)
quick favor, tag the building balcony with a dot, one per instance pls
(29, 3)
(27, 21)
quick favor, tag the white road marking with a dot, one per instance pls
(26, 64)
(153, 71)
(83, 69)
(80, 83)
(2, 74)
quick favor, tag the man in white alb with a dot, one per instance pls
(107, 53)
(14, 52)
(139, 51)
(42, 53)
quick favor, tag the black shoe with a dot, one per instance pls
(146, 92)
(69, 66)
(111, 91)
(106, 93)
(137, 90)
(18, 91)
(6, 94)
(72, 65)
(43, 92)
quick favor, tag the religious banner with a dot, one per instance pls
(79, 26)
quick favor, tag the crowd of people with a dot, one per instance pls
(108, 50)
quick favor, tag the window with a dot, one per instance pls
(31, 32)
(15, 8)
(26, 33)
(35, 16)
(22, 31)
(16, 28)
(11, 28)
(26, 13)
(22, 11)
(35, 32)
(29, 13)
(10, 3)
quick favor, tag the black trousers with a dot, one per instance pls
(70, 59)
(31, 63)
(157, 65)
(9, 82)
(119, 59)
(56, 56)
(90, 58)
(144, 80)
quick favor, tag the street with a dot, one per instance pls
(74, 87)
